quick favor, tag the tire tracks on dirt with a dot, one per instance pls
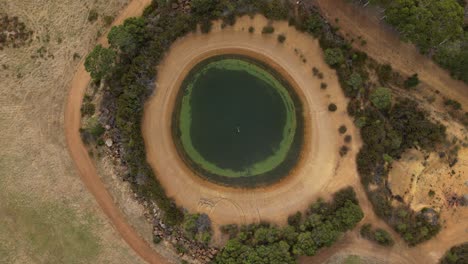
(83, 162)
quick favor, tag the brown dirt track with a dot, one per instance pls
(263, 203)
(317, 169)
(84, 163)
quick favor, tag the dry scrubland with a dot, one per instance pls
(46, 214)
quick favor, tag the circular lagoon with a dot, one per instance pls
(237, 122)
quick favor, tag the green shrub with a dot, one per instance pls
(378, 235)
(88, 109)
(381, 98)
(334, 57)
(322, 225)
(268, 30)
(347, 139)
(108, 20)
(342, 129)
(206, 26)
(93, 15)
(453, 103)
(456, 255)
(412, 81)
(251, 29)
(384, 73)
(332, 107)
(281, 38)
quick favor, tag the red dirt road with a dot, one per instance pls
(381, 45)
(83, 162)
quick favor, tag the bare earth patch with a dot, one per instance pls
(319, 173)
(46, 214)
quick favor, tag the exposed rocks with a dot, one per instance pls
(109, 142)
(194, 251)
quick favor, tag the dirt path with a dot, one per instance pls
(385, 46)
(321, 175)
(83, 162)
(321, 170)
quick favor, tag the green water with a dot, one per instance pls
(235, 119)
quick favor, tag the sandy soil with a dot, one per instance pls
(46, 213)
(84, 163)
(319, 171)
(318, 175)
(384, 46)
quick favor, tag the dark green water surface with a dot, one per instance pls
(237, 122)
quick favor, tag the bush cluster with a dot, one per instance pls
(456, 255)
(320, 226)
(138, 45)
(378, 235)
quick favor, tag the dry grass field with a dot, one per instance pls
(46, 214)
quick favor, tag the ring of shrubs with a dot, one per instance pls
(387, 128)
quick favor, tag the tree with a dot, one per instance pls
(348, 216)
(205, 9)
(412, 81)
(355, 81)
(454, 56)
(99, 62)
(383, 237)
(305, 245)
(381, 98)
(428, 23)
(334, 57)
(128, 36)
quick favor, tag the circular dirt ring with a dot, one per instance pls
(316, 166)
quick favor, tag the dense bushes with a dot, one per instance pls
(381, 98)
(436, 28)
(427, 25)
(386, 130)
(197, 227)
(140, 45)
(100, 62)
(456, 255)
(378, 235)
(319, 227)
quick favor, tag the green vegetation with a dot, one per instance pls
(456, 255)
(412, 81)
(332, 107)
(378, 235)
(320, 226)
(281, 38)
(428, 23)
(197, 227)
(334, 57)
(185, 117)
(436, 28)
(453, 103)
(93, 15)
(342, 129)
(381, 98)
(268, 30)
(127, 37)
(100, 62)
(385, 133)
